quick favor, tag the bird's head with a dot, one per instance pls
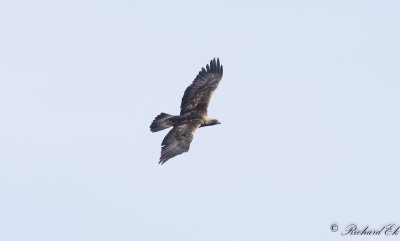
(214, 122)
(211, 122)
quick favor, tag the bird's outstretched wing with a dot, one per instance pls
(198, 94)
(178, 140)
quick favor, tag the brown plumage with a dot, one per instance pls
(193, 112)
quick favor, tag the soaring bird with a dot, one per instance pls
(193, 113)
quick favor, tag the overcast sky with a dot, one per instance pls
(309, 106)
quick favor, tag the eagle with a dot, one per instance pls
(193, 113)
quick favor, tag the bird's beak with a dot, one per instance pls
(219, 122)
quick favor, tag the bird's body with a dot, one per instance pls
(193, 113)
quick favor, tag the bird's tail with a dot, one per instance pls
(161, 122)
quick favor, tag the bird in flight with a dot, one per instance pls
(193, 113)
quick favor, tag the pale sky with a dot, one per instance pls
(309, 106)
